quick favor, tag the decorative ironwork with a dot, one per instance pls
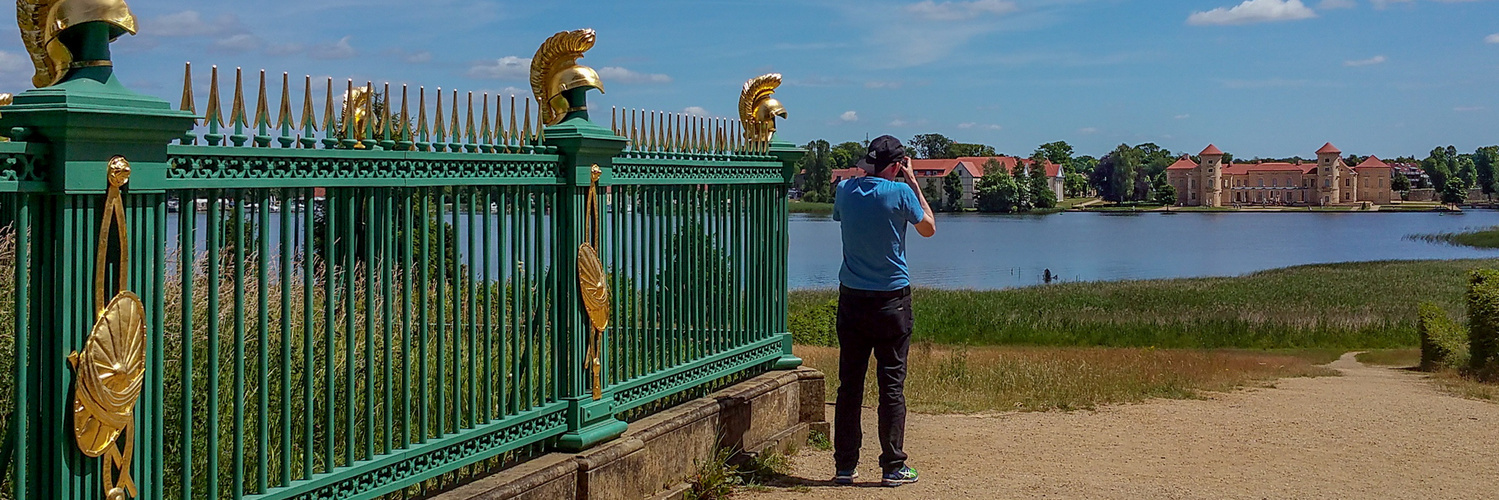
(641, 393)
(758, 110)
(594, 283)
(111, 369)
(202, 162)
(555, 70)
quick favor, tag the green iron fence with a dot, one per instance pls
(354, 306)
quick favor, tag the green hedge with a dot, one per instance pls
(1444, 342)
(1483, 322)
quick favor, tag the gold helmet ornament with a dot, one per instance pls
(41, 22)
(555, 70)
(758, 110)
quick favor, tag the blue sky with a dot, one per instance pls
(1261, 77)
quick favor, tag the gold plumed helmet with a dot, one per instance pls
(758, 110)
(41, 22)
(555, 70)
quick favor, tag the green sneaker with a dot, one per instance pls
(904, 475)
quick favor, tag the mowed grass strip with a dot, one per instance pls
(1365, 305)
(948, 379)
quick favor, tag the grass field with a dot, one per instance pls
(948, 379)
(1367, 305)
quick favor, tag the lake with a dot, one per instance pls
(979, 251)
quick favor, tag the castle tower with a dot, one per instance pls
(1328, 187)
(1210, 177)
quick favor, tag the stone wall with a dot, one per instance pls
(772, 411)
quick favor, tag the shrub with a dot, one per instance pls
(814, 324)
(1444, 343)
(1483, 322)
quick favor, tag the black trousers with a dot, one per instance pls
(877, 323)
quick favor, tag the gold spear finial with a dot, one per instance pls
(405, 126)
(468, 125)
(386, 127)
(421, 114)
(499, 124)
(438, 126)
(309, 115)
(484, 132)
(525, 133)
(284, 121)
(329, 124)
(187, 91)
(512, 135)
(262, 108)
(454, 133)
(614, 119)
(237, 110)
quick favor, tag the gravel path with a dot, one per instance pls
(1371, 433)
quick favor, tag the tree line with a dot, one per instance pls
(1126, 174)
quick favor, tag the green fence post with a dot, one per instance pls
(582, 144)
(788, 154)
(88, 118)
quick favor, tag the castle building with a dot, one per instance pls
(1328, 181)
(932, 174)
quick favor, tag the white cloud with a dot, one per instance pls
(622, 75)
(898, 123)
(1253, 11)
(1494, 38)
(1365, 62)
(957, 11)
(1336, 4)
(993, 127)
(504, 68)
(849, 116)
(191, 23)
(238, 43)
(418, 57)
(967, 125)
(882, 85)
(1087, 130)
(336, 50)
(695, 111)
(1183, 116)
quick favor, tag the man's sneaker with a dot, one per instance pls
(845, 477)
(904, 475)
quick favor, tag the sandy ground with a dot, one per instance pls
(1371, 433)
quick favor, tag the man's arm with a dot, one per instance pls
(928, 225)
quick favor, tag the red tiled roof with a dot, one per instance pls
(976, 164)
(933, 168)
(1211, 150)
(1372, 162)
(1185, 163)
(1247, 168)
(1329, 149)
(846, 173)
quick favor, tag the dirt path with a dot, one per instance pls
(1371, 433)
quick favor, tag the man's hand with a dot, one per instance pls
(928, 225)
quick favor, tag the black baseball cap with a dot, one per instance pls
(883, 151)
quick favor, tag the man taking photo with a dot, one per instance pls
(874, 304)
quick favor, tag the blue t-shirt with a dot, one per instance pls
(874, 213)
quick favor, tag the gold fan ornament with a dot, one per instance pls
(594, 286)
(110, 370)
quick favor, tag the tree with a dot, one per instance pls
(1076, 185)
(1153, 159)
(996, 191)
(1454, 191)
(960, 150)
(1058, 152)
(819, 171)
(1398, 182)
(1165, 193)
(1084, 165)
(1439, 165)
(1041, 194)
(952, 186)
(1022, 184)
(1485, 161)
(1114, 177)
(1466, 170)
(846, 154)
(933, 195)
(932, 146)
